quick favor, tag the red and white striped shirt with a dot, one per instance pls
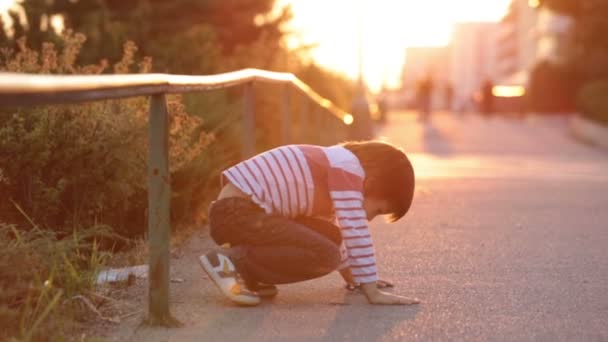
(307, 180)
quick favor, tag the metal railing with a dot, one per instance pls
(26, 90)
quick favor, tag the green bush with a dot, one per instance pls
(593, 101)
(68, 167)
(71, 166)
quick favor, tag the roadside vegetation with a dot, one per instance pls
(593, 101)
(73, 177)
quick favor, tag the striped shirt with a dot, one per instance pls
(307, 180)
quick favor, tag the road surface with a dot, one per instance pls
(507, 239)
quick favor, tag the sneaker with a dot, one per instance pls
(266, 290)
(223, 273)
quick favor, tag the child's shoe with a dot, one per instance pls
(266, 290)
(222, 272)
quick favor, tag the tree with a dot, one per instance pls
(331, 85)
(568, 7)
(591, 33)
(107, 23)
(553, 88)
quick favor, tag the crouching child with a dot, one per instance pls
(299, 212)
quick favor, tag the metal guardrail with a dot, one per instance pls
(27, 89)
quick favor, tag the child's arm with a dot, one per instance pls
(353, 285)
(373, 295)
(346, 193)
(348, 276)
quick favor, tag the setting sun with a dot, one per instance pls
(5, 4)
(387, 28)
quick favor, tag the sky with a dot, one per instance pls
(5, 4)
(387, 26)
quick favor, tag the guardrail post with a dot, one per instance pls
(305, 120)
(324, 126)
(159, 226)
(248, 121)
(286, 115)
(319, 125)
(314, 125)
(343, 131)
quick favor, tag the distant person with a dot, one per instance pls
(299, 212)
(424, 96)
(449, 96)
(362, 128)
(487, 98)
(382, 102)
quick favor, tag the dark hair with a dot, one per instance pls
(389, 175)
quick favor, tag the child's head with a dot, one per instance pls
(389, 175)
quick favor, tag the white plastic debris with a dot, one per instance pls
(122, 274)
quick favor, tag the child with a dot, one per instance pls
(299, 212)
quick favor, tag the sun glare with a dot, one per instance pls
(534, 3)
(5, 5)
(387, 27)
(348, 119)
(508, 91)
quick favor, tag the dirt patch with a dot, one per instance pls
(126, 306)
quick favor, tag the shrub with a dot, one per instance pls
(70, 167)
(553, 88)
(593, 101)
(78, 165)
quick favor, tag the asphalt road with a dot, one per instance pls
(507, 240)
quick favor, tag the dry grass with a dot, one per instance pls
(42, 275)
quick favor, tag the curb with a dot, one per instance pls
(589, 131)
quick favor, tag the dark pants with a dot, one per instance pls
(272, 249)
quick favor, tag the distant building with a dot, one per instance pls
(554, 33)
(473, 60)
(422, 62)
(528, 34)
(517, 42)
(504, 53)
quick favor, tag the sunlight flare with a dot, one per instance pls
(387, 27)
(508, 91)
(534, 3)
(348, 119)
(5, 5)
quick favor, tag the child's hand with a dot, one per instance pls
(375, 296)
(381, 284)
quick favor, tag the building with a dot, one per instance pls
(528, 34)
(424, 62)
(504, 53)
(517, 37)
(554, 36)
(473, 61)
